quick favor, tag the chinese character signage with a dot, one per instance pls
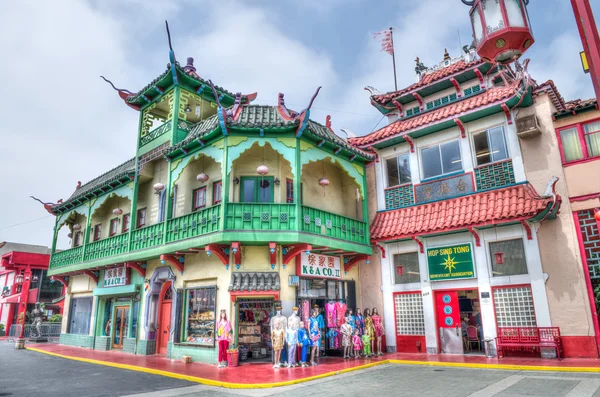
(115, 277)
(450, 262)
(320, 266)
(445, 188)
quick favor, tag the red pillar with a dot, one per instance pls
(589, 38)
(24, 299)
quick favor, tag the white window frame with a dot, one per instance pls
(439, 143)
(472, 145)
(490, 259)
(395, 156)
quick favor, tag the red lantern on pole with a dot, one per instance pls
(501, 29)
(499, 256)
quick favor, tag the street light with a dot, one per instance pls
(501, 29)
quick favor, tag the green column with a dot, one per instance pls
(86, 233)
(225, 182)
(365, 205)
(297, 188)
(168, 203)
(133, 211)
(55, 235)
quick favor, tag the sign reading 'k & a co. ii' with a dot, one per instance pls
(450, 262)
(320, 266)
(115, 277)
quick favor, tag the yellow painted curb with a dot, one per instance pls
(210, 382)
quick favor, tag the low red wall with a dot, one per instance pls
(580, 346)
(409, 344)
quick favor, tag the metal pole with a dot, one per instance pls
(394, 58)
(589, 38)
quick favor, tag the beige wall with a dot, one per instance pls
(104, 214)
(339, 197)
(370, 294)
(583, 178)
(154, 172)
(579, 118)
(565, 287)
(80, 220)
(187, 183)
(246, 164)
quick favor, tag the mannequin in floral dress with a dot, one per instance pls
(356, 343)
(378, 325)
(277, 338)
(360, 322)
(315, 342)
(369, 328)
(351, 320)
(346, 330)
(224, 337)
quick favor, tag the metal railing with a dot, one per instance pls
(49, 330)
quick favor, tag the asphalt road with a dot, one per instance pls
(27, 373)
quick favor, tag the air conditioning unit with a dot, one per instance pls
(528, 127)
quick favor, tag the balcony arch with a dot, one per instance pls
(214, 151)
(185, 183)
(286, 147)
(125, 192)
(78, 216)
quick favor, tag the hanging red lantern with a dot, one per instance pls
(202, 177)
(499, 258)
(324, 182)
(262, 170)
(501, 29)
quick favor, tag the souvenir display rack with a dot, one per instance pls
(254, 331)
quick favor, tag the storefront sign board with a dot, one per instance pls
(450, 262)
(319, 266)
(444, 188)
(115, 277)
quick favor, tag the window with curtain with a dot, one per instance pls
(510, 260)
(406, 268)
(592, 138)
(571, 145)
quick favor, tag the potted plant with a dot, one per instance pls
(2, 333)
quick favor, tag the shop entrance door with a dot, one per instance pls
(164, 320)
(120, 329)
(448, 318)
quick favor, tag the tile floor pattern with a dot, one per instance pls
(391, 380)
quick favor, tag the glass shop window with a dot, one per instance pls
(490, 146)
(80, 315)
(217, 192)
(508, 258)
(398, 170)
(406, 268)
(134, 319)
(200, 316)
(256, 189)
(313, 288)
(441, 159)
(199, 198)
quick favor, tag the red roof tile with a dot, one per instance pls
(520, 201)
(487, 97)
(428, 79)
(555, 97)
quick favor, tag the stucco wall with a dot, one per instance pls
(370, 294)
(158, 172)
(187, 183)
(583, 178)
(561, 261)
(104, 214)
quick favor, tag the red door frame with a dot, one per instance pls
(435, 309)
(163, 289)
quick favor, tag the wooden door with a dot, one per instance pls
(164, 320)
(121, 323)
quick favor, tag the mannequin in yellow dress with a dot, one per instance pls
(369, 327)
(277, 338)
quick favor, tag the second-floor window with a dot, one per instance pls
(289, 191)
(256, 189)
(114, 223)
(490, 146)
(78, 239)
(126, 220)
(141, 218)
(398, 170)
(580, 142)
(441, 159)
(217, 192)
(199, 198)
(97, 232)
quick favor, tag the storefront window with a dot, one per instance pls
(313, 288)
(409, 314)
(514, 307)
(134, 318)
(200, 320)
(508, 258)
(106, 320)
(406, 268)
(79, 316)
(335, 290)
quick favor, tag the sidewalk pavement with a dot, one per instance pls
(263, 376)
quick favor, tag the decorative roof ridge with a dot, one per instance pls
(362, 141)
(555, 96)
(383, 98)
(574, 105)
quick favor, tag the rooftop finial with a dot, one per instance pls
(446, 55)
(190, 65)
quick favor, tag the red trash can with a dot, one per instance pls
(232, 358)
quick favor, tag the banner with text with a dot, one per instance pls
(450, 262)
(115, 277)
(321, 266)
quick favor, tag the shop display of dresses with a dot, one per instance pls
(277, 338)
(346, 330)
(340, 309)
(360, 324)
(330, 312)
(378, 325)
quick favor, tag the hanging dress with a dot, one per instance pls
(378, 325)
(331, 315)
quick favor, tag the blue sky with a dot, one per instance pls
(63, 124)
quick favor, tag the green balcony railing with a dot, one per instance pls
(260, 216)
(67, 257)
(332, 225)
(147, 237)
(107, 247)
(195, 224)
